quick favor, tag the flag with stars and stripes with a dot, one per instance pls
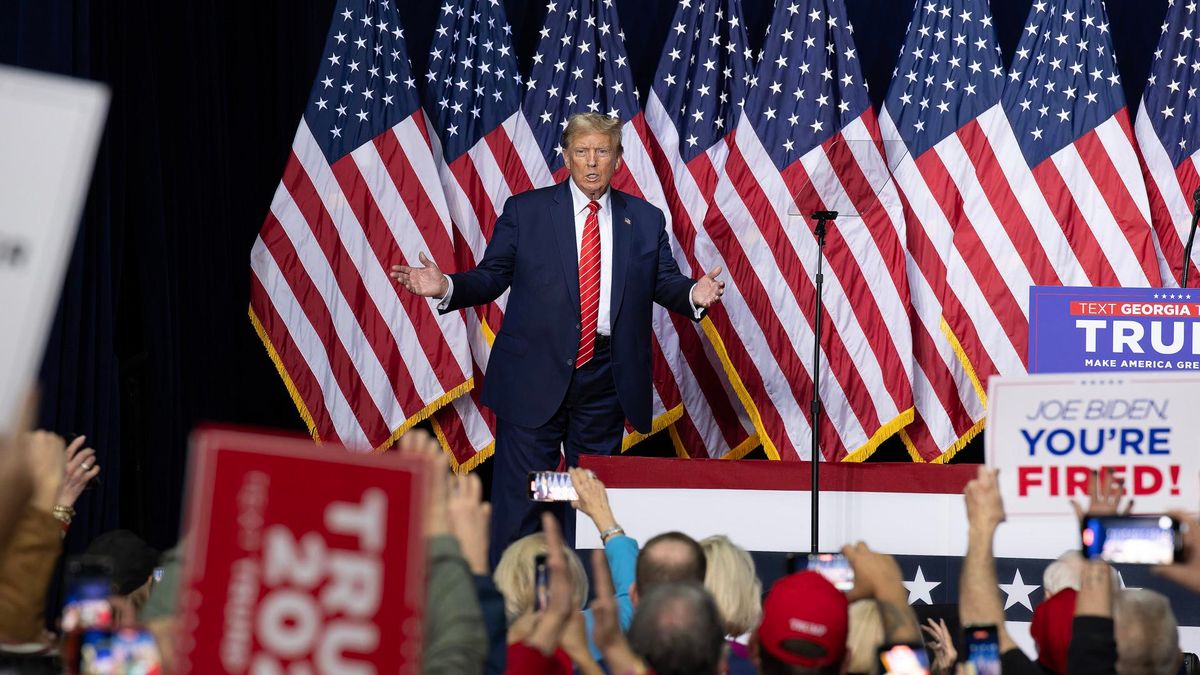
(362, 359)
(1065, 202)
(807, 128)
(700, 83)
(1168, 134)
(947, 77)
(581, 66)
(486, 153)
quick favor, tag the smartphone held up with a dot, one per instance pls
(551, 486)
(1133, 540)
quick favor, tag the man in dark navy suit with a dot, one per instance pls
(571, 362)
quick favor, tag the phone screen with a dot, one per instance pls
(541, 582)
(551, 486)
(1135, 540)
(903, 659)
(87, 618)
(129, 651)
(834, 567)
(983, 649)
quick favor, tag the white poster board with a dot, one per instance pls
(50, 128)
(1047, 433)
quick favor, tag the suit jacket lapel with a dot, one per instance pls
(622, 237)
(563, 215)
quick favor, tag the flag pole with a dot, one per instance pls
(822, 218)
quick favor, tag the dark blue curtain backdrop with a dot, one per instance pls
(151, 335)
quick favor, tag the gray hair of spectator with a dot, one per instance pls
(677, 630)
(1146, 632)
(734, 584)
(1064, 573)
(514, 574)
(669, 558)
(593, 123)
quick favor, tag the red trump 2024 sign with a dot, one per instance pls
(300, 558)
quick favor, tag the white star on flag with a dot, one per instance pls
(1018, 591)
(919, 588)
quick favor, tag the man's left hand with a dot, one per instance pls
(708, 289)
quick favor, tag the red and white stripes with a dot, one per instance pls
(363, 360)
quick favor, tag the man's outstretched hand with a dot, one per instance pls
(427, 281)
(708, 289)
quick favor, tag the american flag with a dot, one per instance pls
(697, 93)
(806, 101)
(581, 66)
(360, 192)
(1168, 135)
(486, 153)
(1065, 203)
(948, 74)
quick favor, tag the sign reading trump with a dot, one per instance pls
(1049, 434)
(300, 559)
(1075, 329)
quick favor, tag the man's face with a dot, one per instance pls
(592, 159)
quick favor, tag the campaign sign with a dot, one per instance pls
(1083, 329)
(50, 129)
(1048, 433)
(300, 559)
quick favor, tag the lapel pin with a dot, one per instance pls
(628, 221)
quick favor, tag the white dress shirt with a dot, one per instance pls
(580, 200)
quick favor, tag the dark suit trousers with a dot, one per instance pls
(589, 421)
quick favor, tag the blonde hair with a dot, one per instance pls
(514, 574)
(865, 635)
(589, 122)
(733, 582)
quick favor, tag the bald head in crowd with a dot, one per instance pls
(677, 630)
(671, 557)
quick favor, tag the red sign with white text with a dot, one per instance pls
(300, 558)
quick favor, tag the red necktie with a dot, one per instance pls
(589, 285)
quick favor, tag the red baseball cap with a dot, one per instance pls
(805, 607)
(1052, 628)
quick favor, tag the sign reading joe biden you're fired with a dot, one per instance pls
(1048, 433)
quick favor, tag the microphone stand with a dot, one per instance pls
(823, 217)
(1187, 250)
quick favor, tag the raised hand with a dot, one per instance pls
(1105, 497)
(985, 508)
(469, 519)
(708, 289)
(81, 467)
(941, 641)
(427, 281)
(593, 499)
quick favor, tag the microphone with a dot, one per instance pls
(1187, 250)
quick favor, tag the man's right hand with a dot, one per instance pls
(427, 281)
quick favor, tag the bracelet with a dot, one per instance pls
(616, 529)
(63, 513)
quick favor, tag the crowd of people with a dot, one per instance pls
(669, 605)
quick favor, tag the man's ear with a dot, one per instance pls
(633, 594)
